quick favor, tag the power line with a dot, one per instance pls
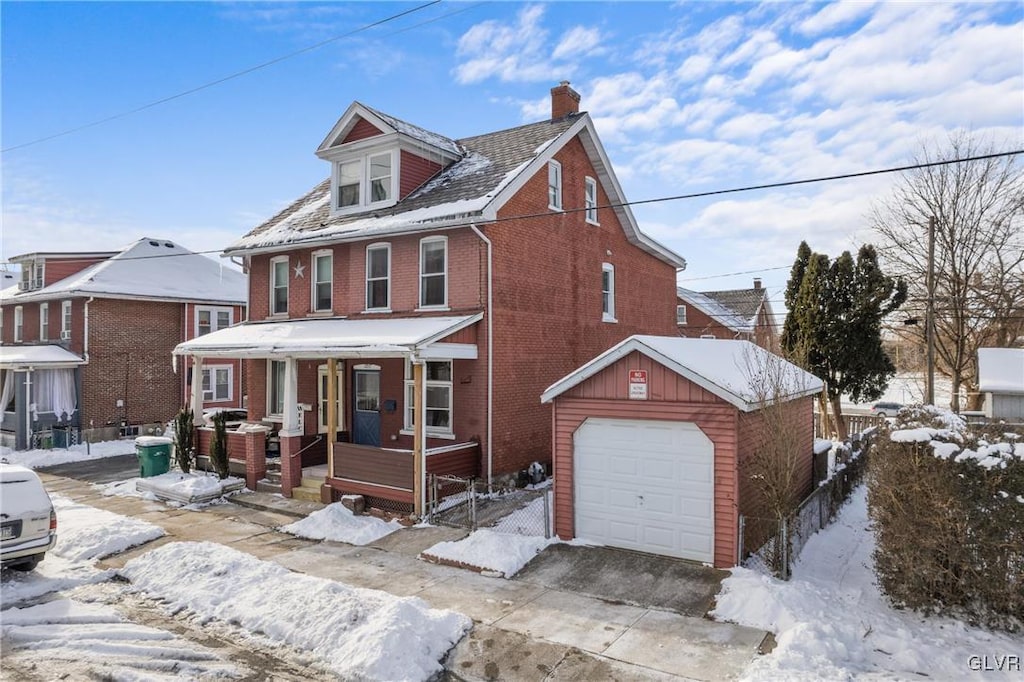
(224, 79)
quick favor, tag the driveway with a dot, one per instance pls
(622, 576)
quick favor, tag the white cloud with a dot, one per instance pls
(833, 15)
(579, 41)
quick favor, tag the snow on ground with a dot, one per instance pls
(35, 459)
(493, 552)
(337, 523)
(832, 622)
(356, 633)
(86, 533)
(907, 388)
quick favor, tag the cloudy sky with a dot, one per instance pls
(687, 97)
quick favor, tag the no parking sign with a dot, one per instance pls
(638, 384)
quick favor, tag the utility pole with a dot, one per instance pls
(929, 328)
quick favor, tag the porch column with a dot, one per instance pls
(419, 437)
(332, 412)
(195, 396)
(291, 430)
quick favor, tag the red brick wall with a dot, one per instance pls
(130, 345)
(548, 302)
(699, 323)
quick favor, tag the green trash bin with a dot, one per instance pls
(154, 455)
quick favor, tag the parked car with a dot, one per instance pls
(28, 523)
(886, 409)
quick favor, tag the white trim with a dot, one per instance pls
(608, 313)
(556, 184)
(213, 369)
(590, 200)
(214, 321)
(19, 324)
(271, 414)
(313, 282)
(376, 246)
(66, 317)
(442, 239)
(44, 315)
(272, 279)
(407, 405)
(680, 308)
(364, 160)
(449, 351)
(321, 399)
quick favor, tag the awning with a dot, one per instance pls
(37, 357)
(311, 339)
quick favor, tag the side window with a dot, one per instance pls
(555, 185)
(608, 292)
(590, 200)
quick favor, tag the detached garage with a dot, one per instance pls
(651, 439)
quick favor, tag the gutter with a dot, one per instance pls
(490, 355)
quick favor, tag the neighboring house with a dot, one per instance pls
(654, 442)
(494, 264)
(744, 314)
(87, 339)
(1001, 379)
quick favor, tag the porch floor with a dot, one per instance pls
(318, 471)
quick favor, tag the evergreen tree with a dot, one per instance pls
(834, 325)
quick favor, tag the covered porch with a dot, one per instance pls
(384, 422)
(40, 390)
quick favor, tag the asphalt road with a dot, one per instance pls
(105, 470)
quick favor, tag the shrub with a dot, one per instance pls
(219, 446)
(948, 508)
(183, 445)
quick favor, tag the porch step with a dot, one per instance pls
(273, 477)
(265, 486)
(306, 493)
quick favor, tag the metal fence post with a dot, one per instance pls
(471, 489)
(547, 516)
(740, 548)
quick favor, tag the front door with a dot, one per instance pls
(366, 420)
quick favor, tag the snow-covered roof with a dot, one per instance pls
(488, 170)
(37, 356)
(1001, 370)
(151, 269)
(718, 311)
(739, 372)
(383, 337)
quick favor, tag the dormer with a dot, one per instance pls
(377, 160)
(39, 269)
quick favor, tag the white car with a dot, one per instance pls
(28, 523)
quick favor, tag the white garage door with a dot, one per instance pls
(646, 485)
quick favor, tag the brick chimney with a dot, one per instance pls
(757, 282)
(564, 101)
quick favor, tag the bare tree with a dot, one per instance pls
(979, 250)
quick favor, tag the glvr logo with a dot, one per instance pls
(995, 663)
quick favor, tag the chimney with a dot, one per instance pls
(757, 282)
(564, 101)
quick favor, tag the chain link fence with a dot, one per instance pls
(467, 503)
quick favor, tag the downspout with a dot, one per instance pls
(490, 355)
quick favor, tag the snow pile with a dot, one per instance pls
(493, 553)
(85, 533)
(832, 622)
(337, 523)
(356, 633)
(36, 459)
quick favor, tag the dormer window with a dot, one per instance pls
(31, 276)
(365, 181)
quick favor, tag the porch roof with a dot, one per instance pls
(337, 338)
(37, 357)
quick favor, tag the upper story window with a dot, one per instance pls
(367, 180)
(279, 285)
(554, 185)
(210, 319)
(31, 276)
(44, 321)
(323, 281)
(19, 324)
(378, 277)
(608, 292)
(590, 199)
(680, 314)
(65, 319)
(434, 272)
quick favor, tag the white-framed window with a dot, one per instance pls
(590, 199)
(680, 314)
(323, 281)
(554, 185)
(19, 324)
(212, 318)
(369, 180)
(608, 292)
(44, 321)
(279, 285)
(275, 388)
(65, 319)
(217, 383)
(434, 272)
(32, 276)
(378, 277)
(437, 377)
(322, 391)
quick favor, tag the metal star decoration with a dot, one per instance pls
(299, 270)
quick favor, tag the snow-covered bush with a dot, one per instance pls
(948, 510)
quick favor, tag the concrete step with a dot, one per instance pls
(273, 477)
(306, 493)
(265, 486)
(308, 482)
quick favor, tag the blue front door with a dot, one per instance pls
(366, 424)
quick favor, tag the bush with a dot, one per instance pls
(948, 508)
(183, 445)
(219, 446)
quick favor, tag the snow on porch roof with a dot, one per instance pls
(37, 357)
(335, 338)
(1001, 370)
(739, 372)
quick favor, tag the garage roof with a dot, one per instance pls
(739, 372)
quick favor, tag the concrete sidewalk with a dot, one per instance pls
(522, 630)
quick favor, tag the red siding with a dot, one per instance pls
(414, 171)
(612, 383)
(361, 130)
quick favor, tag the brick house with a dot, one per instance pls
(86, 339)
(470, 272)
(744, 314)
